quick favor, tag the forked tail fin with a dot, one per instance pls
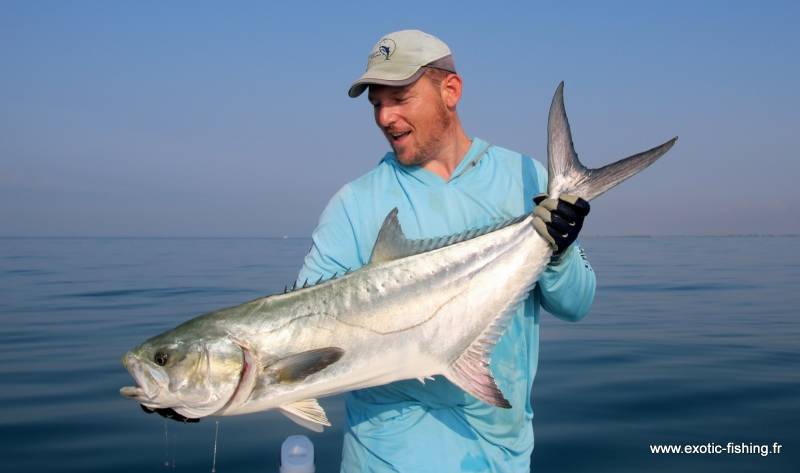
(566, 173)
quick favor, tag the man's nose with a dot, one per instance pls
(384, 116)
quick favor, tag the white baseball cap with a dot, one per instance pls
(400, 58)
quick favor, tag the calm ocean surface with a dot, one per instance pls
(690, 341)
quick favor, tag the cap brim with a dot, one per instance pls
(361, 85)
(370, 78)
(397, 78)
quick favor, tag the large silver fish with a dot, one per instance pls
(419, 308)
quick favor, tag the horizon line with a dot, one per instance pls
(288, 237)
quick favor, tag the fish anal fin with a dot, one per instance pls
(299, 366)
(307, 413)
(471, 373)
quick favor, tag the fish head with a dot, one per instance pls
(194, 376)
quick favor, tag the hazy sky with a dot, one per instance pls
(232, 118)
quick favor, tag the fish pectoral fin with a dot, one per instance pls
(299, 366)
(471, 373)
(307, 413)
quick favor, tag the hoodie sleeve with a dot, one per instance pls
(567, 287)
(334, 245)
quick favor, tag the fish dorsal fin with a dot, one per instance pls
(299, 366)
(307, 413)
(392, 243)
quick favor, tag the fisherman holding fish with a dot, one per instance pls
(443, 182)
(457, 294)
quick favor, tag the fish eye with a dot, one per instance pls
(161, 358)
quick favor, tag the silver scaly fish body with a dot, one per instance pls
(401, 319)
(419, 308)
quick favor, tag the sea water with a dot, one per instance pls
(691, 341)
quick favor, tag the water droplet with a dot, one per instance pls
(216, 435)
(166, 445)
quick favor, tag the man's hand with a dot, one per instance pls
(559, 220)
(169, 414)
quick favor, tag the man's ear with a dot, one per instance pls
(451, 90)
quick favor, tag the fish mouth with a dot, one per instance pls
(137, 393)
(140, 391)
(133, 392)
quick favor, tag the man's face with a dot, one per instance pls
(413, 119)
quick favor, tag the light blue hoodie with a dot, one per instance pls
(410, 427)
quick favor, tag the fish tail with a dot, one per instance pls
(566, 173)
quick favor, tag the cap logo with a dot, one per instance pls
(385, 48)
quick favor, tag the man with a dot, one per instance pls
(444, 182)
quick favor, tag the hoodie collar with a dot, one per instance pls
(475, 153)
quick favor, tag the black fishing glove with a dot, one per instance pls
(559, 220)
(169, 414)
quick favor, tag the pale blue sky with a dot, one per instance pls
(232, 119)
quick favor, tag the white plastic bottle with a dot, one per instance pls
(297, 455)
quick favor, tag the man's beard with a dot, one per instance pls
(430, 150)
